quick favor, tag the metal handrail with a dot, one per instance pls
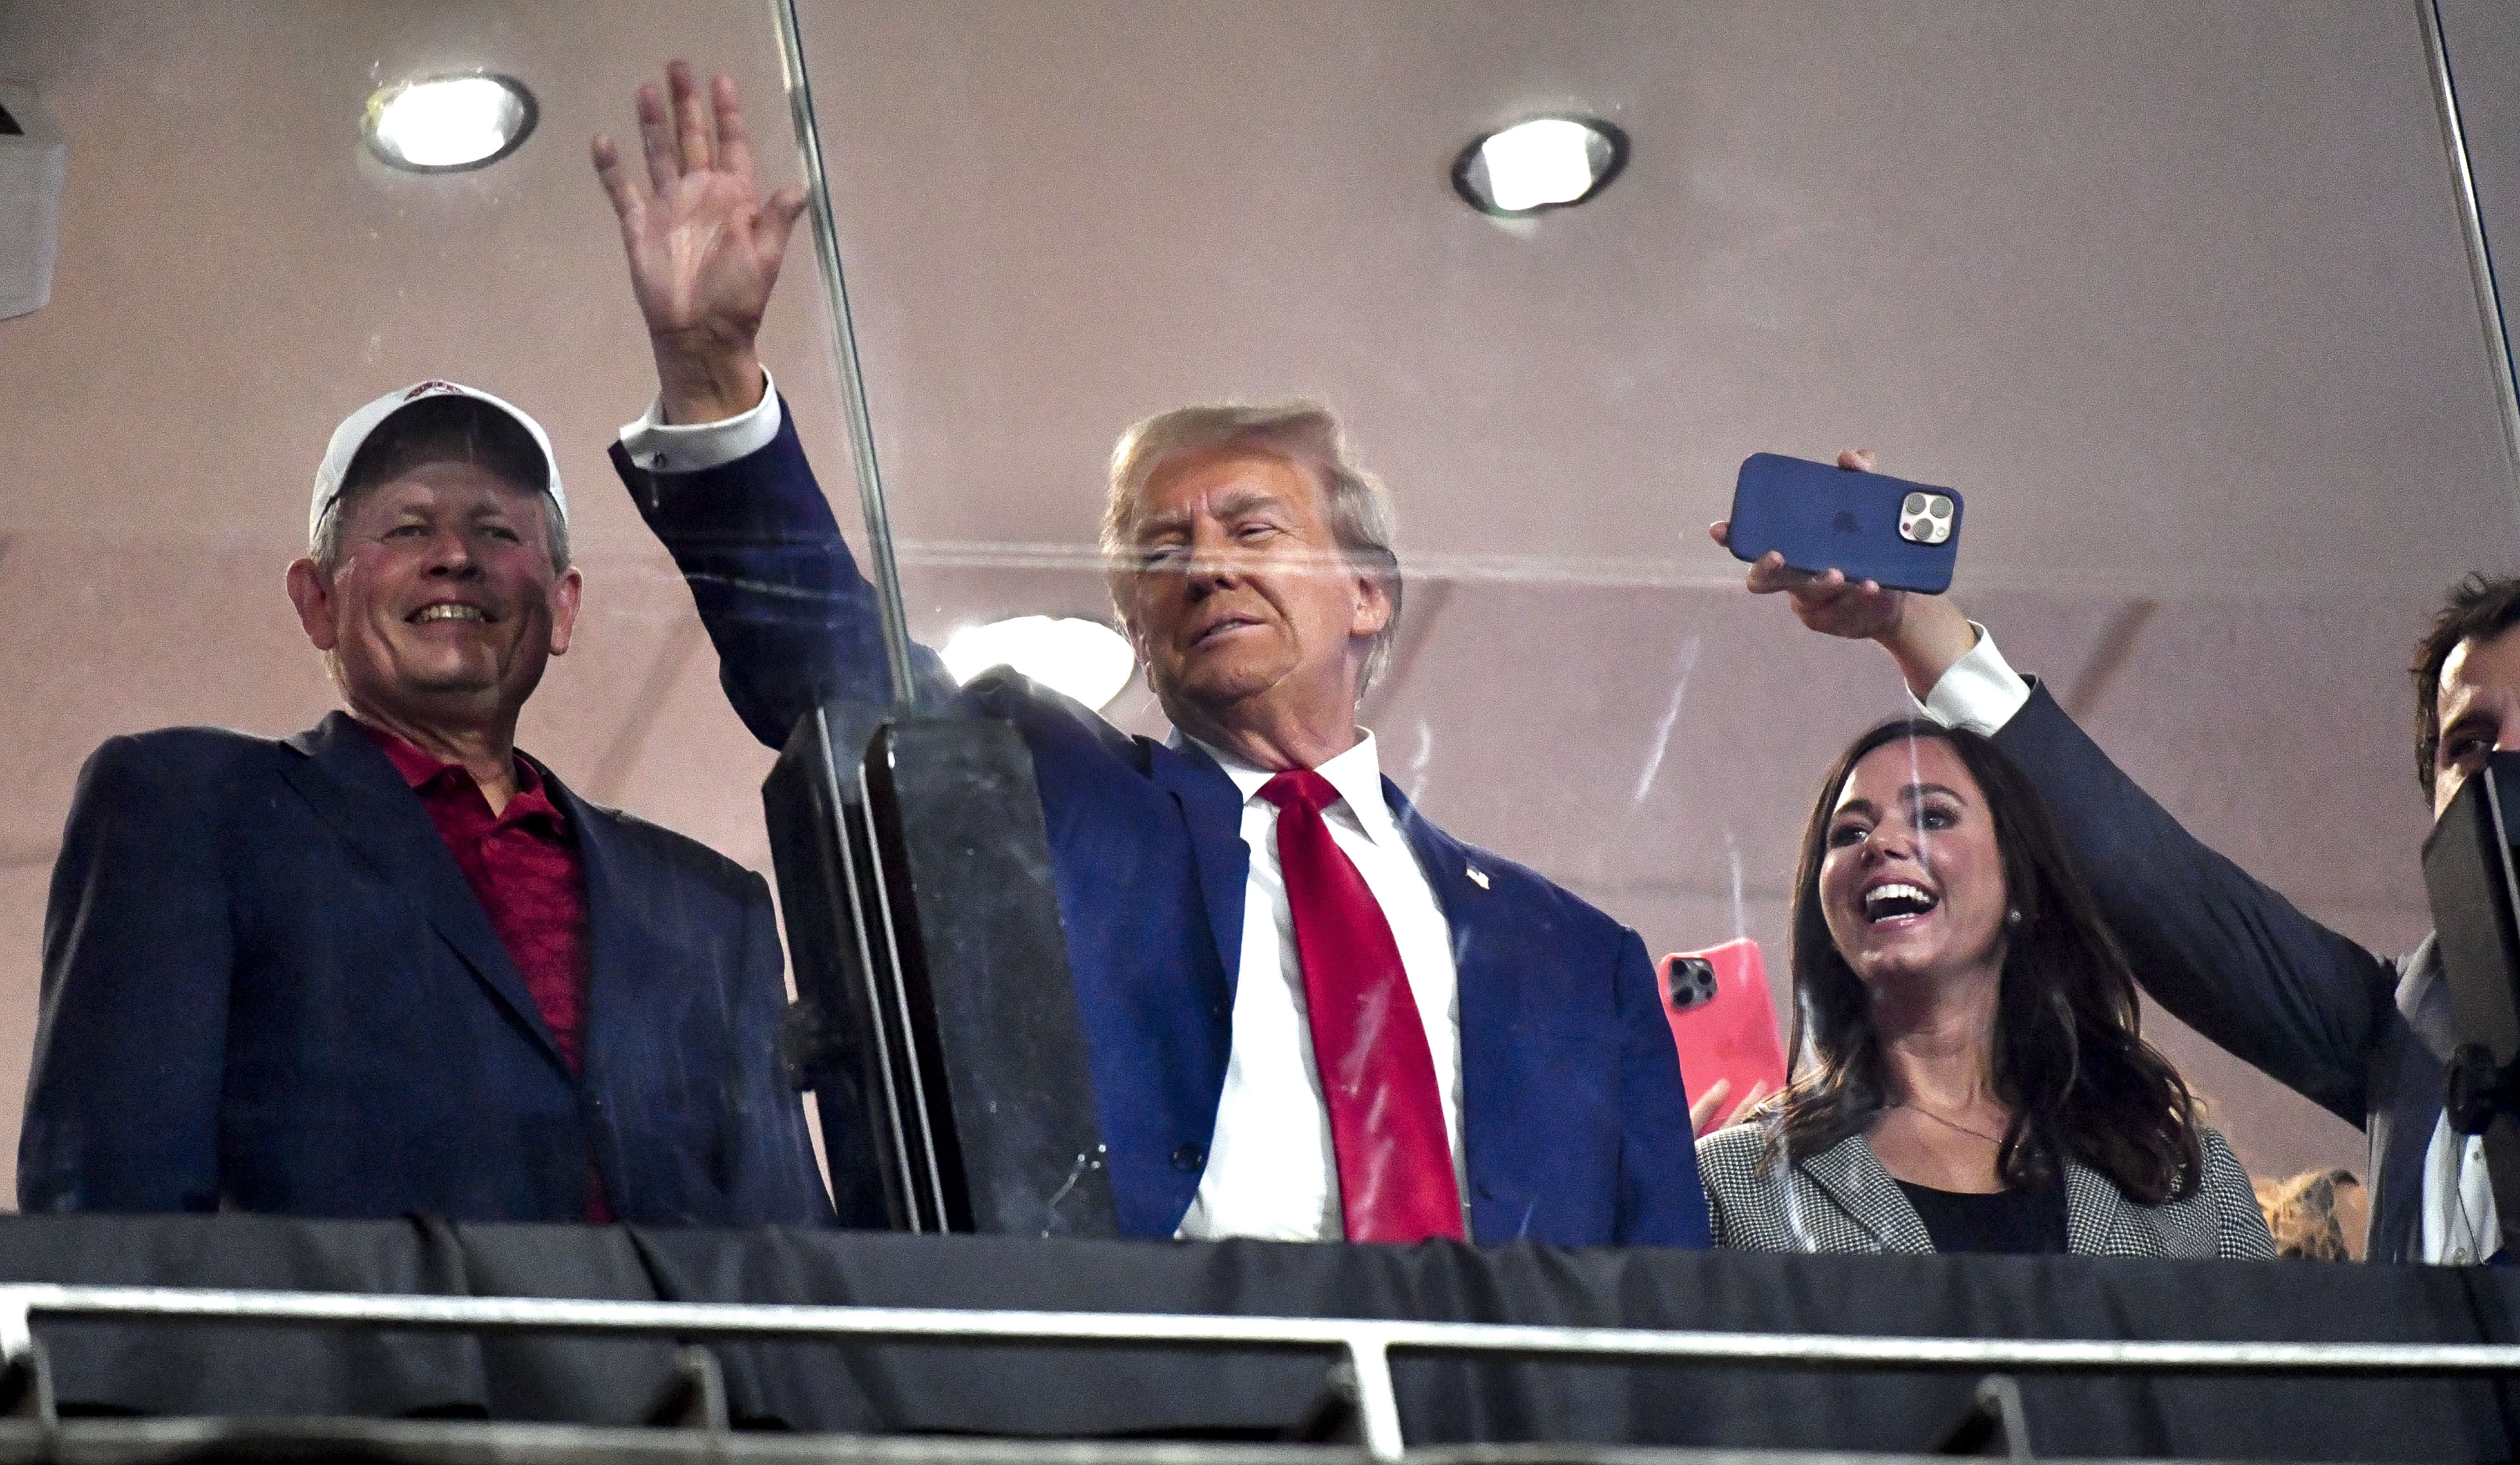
(1366, 1343)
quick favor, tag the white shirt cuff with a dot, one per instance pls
(660, 446)
(1979, 691)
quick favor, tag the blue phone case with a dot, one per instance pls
(1822, 517)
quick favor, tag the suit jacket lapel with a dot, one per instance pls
(1212, 809)
(2100, 1221)
(613, 965)
(1446, 862)
(357, 790)
(1482, 972)
(1853, 1176)
(2404, 1106)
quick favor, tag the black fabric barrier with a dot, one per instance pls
(1104, 1391)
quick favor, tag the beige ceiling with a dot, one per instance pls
(2174, 292)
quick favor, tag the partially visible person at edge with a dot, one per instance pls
(1974, 1078)
(2364, 1036)
(1248, 905)
(2316, 1216)
(392, 964)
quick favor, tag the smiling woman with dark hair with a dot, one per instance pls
(1972, 1077)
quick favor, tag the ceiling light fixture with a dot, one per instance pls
(446, 125)
(1545, 163)
(1083, 659)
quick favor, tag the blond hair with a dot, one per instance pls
(1302, 431)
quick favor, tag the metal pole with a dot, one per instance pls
(852, 900)
(1377, 1404)
(844, 344)
(895, 981)
(2479, 262)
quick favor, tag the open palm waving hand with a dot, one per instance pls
(703, 248)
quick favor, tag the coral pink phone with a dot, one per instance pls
(1723, 1019)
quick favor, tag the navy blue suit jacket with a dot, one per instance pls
(1573, 1118)
(2361, 1035)
(268, 988)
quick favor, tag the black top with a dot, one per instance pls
(2003, 1221)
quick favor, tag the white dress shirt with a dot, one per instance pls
(1271, 1172)
(1981, 692)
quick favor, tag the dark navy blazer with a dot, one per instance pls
(2363, 1036)
(268, 988)
(1573, 1118)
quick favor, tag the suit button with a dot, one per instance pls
(1188, 1158)
(1485, 1194)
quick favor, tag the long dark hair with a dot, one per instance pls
(2070, 1061)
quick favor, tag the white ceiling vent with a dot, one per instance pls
(33, 160)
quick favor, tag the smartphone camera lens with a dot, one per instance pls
(1926, 518)
(1693, 982)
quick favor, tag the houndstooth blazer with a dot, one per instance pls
(1841, 1200)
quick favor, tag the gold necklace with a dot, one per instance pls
(1953, 1125)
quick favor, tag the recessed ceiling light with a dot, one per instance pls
(1084, 659)
(445, 124)
(1545, 163)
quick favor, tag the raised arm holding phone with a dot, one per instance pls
(2361, 1035)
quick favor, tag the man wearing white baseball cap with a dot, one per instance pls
(392, 964)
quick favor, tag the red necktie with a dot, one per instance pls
(1395, 1166)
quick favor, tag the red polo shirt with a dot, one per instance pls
(523, 867)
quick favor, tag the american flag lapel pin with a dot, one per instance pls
(1478, 877)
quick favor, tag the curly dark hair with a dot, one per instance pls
(2477, 607)
(2070, 1058)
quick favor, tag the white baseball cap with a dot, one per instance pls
(359, 426)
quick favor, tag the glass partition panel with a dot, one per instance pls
(2176, 298)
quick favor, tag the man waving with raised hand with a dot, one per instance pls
(1309, 1013)
(703, 254)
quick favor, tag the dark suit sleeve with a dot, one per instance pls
(775, 1180)
(1660, 1200)
(122, 1101)
(795, 623)
(2223, 952)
